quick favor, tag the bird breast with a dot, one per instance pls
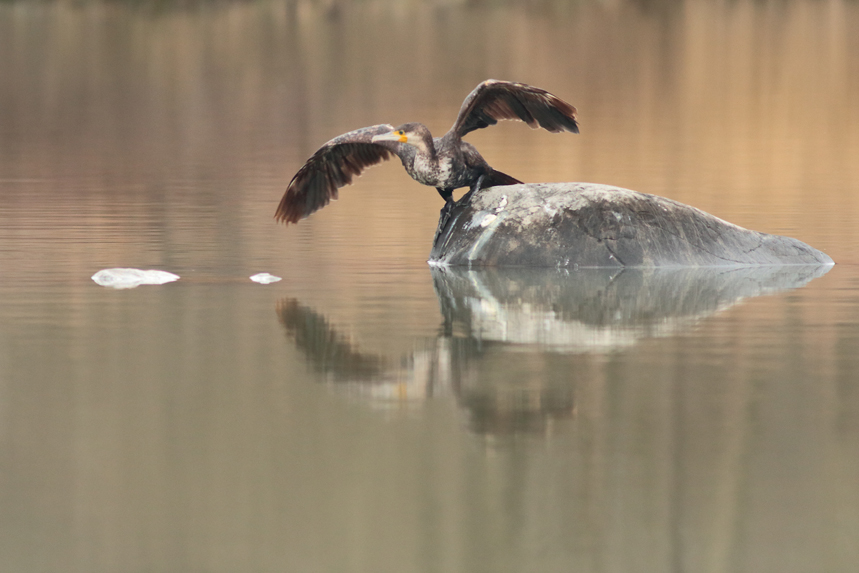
(429, 172)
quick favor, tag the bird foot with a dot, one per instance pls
(474, 189)
(444, 216)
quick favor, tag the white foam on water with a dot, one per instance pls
(130, 278)
(265, 278)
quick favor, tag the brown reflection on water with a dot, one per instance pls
(504, 334)
(175, 428)
(174, 122)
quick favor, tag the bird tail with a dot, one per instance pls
(494, 178)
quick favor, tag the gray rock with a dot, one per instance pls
(580, 225)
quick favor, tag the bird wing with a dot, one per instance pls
(494, 100)
(331, 167)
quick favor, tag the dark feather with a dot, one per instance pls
(495, 100)
(491, 177)
(494, 178)
(331, 167)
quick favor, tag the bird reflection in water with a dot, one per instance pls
(517, 402)
(513, 343)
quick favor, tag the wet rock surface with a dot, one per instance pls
(571, 225)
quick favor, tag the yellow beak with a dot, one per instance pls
(399, 136)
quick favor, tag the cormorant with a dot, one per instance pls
(445, 163)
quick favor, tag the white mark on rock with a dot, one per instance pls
(479, 219)
(490, 226)
(487, 219)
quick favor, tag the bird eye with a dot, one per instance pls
(400, 132)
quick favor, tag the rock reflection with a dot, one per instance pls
(514, 342)
(597, 310)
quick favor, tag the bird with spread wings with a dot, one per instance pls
(446, 162)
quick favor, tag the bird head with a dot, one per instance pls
(414, 134)
(399, 135)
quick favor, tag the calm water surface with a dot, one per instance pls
(368, 413)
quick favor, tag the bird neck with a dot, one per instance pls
(426, 148)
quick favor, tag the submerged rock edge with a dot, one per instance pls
(590, 225)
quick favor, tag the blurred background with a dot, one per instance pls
(365, 413)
